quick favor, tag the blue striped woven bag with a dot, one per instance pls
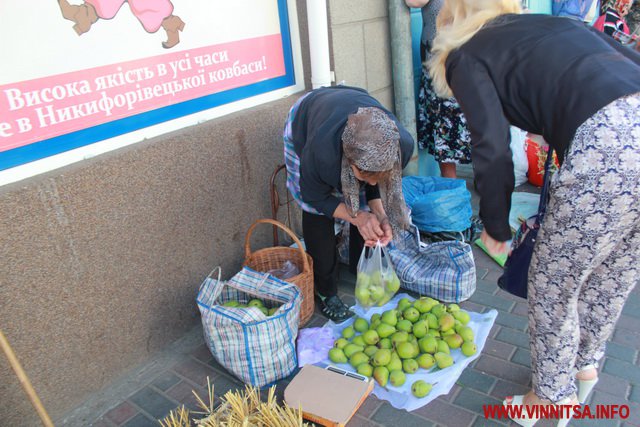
(256, 348)
(445, 270)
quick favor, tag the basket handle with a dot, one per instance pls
(247, 245)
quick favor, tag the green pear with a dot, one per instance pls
(438, 309)
(365, 369)
(385, 343)
(377, 293)
(432, 321)
(404, 325)
(390, 317)
(443, 360)
(385, 330)
(359, 340)
(397, 378)
(273, 310)
(466, 333)
(336, 355)
(446, 322)
(264, 310)
(403, 304)
(469, 348)
(363, 296)
(426, 361)
(375, 324)
(348, 332)
(421, 388)
(376, 278)
(232, 303)
(405, 350)
(255, 303)
(385, 299)
(399, 337)
(351, 349)
(434, 333)
(443, 347)
(358, 358)
(363, 280)
(381, 375)
(360, 324)
(420, 328)
(453, 341)
(381, 357)
(393, 284)
(422, 305)
(374, 317)
(395, 363)
(370, 350)
(340, 342)
(453, 307)
(462, 316)
(411, 314)
(428, 344)
(447, 332)
(371, 337)
(410, 366)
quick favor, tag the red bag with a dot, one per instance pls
(536, 157)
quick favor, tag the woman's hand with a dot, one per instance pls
(493, 246)
(369, 227)
(386, 229)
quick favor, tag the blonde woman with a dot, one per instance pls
(581, 90)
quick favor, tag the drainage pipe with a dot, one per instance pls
(319, 43)
(402, 70)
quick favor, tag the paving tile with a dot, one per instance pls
(140, 421)
(504, 370)
(522, 357)
(474, 401)
(387, 415)
(487, 286)
(444, 413)
(195, 371)
(449, 397)
(152, 402)
(122, 413)
(627, 338)
(471, 306)
(622, 369)
(512, 321)
(370, 405)
(358, 421)
(202, 353)
(618, 351)
(627, 322)
(489, 300)
(504, 388)
(481, 421)
(481, 273)
(511, 336)
(223, 384)
(476, 380)
(600, 398)
(102, 422)
(165, 381)
(494, 275)
(183, 393)
(613, 385)
(498, 349)
(634, 396)
(521, 309)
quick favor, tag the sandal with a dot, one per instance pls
(585, 386)
(333, 308)
(524, 419)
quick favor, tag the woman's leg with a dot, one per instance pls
(593, 207)
(320, 240)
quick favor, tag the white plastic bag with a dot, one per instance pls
(376, 282)
(519, 155)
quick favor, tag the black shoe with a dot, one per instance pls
(333, 308)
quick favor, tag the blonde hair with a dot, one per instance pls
(457, 22)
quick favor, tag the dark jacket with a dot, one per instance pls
(317, 137)
(546, 75)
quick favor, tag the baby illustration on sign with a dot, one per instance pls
(152, 14)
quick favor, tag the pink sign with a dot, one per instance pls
(39, 109)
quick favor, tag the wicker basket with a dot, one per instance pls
(273, 258)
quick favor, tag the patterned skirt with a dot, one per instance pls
(442, 128)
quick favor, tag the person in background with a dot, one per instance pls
(343, 151)
(442, 129)
(580, 90)
(612, 16)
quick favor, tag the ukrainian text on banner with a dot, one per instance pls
(84, 71)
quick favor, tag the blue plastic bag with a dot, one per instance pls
(438, 204)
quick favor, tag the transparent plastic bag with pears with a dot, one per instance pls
(376, 281)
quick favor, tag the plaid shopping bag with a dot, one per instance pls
(256, 348)
(444, 270)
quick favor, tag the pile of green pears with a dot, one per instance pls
(376, 289)
(414, 335)
(255, 302)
